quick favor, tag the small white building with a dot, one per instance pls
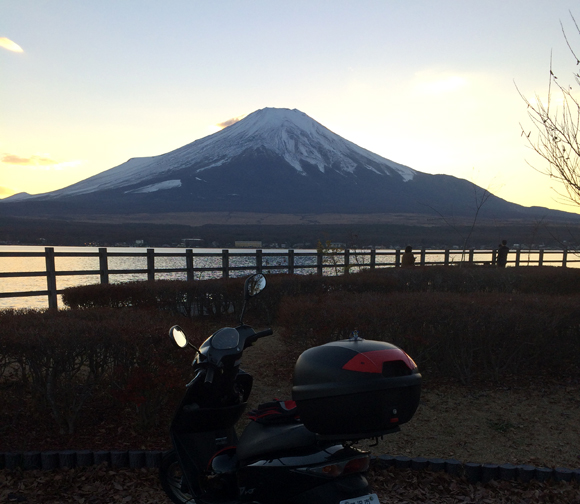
(248, 244)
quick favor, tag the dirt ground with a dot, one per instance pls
(535, 423)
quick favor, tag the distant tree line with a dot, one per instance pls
(27, 231)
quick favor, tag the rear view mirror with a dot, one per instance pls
(178, 336)
(255, 284)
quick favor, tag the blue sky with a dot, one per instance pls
(429, 84)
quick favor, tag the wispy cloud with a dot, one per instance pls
(6, 43)
(229, 122)
(220, 126)
(36, 160)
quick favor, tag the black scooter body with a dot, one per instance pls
(268, 464)
(291, 449)
(274, 462)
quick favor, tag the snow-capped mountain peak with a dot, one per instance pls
(291, 134)
(272, 161)
(297, 138)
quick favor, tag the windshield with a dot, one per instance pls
(225, 338)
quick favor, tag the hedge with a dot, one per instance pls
(480, 335)
(462, 323)
(63, 358)
(224, 296)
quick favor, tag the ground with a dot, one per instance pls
(527, 421)
(535, 422)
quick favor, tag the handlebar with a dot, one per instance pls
(223, 348)
(252, 338)
(264, 333)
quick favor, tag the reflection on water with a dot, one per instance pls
(137, 261)
(277, 262)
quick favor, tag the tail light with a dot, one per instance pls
(360, 464)
(357, 465)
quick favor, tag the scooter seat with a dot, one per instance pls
(259, 439)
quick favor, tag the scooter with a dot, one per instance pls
(294, 452)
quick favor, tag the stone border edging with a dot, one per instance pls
(475, 472)
(47, 460)
(137, 459)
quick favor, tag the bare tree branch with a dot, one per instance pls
(480, 200)
(557, 127)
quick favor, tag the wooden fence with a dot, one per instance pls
(332, 262)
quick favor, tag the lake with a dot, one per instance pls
(37, 264)
(308, 260)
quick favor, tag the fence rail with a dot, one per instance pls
(331, 262)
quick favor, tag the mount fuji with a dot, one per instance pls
(272, 161)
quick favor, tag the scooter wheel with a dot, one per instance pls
(172, 481)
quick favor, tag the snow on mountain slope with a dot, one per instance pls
(161, 186)
(129, 172)
(296, 137)
(291, 134)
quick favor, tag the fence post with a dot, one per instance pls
(422, 256)
(104, 271)
(104, 265)
(258, 261)
(150, 265)
(564, 257)
(225, 263)
(189, 264)
(51, 278)
(291, 262)
(346, 261)
(494, 257)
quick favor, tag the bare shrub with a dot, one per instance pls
(66, 355)
(480, 336)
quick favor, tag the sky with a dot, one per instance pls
(87, 85)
